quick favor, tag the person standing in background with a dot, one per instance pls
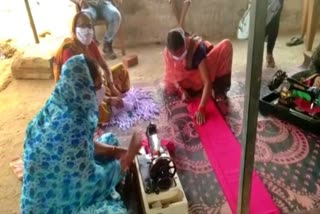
(272, 27)
(105, 10)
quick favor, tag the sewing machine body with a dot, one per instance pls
(169, 201)
(281, 103)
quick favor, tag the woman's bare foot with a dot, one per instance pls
(270, 61)
(133, 150)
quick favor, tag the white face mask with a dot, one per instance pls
(84, 35)
(180, 57)
(100, 94)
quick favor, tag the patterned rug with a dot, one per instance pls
(287, 158)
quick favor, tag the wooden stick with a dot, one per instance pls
(33, 26)
(304, 18)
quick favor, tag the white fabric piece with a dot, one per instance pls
(128, 105)
(183, 55)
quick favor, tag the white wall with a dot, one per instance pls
(145, 21)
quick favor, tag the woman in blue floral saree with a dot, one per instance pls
(61, 173)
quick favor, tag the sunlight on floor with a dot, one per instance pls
(49, 16)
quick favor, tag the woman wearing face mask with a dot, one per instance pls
(82, 42)
(65, 169)
(195, 66)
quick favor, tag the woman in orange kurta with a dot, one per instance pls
(82, 42)
(195, 66)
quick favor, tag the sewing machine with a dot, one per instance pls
(160, 188)
(283, 103)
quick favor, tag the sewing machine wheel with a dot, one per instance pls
(162, 171)
(277, 80)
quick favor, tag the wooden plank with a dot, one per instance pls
(304, 18)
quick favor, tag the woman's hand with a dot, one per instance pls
(114, 90)
(200, 116)
(133, 150)
(116, 102)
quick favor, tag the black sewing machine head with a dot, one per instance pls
(277, 79)
(153, 140)
(157, 168)
(162, 171)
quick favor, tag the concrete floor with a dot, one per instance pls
(21, 100)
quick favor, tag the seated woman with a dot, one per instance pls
(314, 80)
(81, 42)
(105, 10)
(305, 102)
(65, 170)
(195, 66)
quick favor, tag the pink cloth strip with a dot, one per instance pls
(224, 153)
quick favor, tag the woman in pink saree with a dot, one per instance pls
(195, 66)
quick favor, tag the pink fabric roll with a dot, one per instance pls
(224, 153)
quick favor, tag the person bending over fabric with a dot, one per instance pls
(106, 10)
(81, 42)
(65, 170)
(195, 66)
